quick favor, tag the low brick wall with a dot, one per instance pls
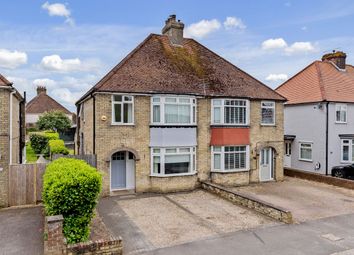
(54, 243)
(344, 183)
(256, 204)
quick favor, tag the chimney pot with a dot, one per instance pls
(41, 89)
(336, 57)
(174, 30)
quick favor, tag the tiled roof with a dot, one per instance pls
(320, 81)
(4, 81)
(156, 66)
(44, 103)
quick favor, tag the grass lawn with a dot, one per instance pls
(30, 154)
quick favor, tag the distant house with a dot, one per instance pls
(319, 115)
(173, 113)
(42, 103)
(11, 132)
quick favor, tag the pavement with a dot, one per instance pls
(21, 231)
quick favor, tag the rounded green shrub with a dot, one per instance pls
(71, 187)
(39, 142)
(51, 135)
(57, 147)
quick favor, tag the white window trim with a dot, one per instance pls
(192, 103)
(304, 159)
(222, 110)
(162, 154)
(345, 106)
(115, 123)
(350, 151)
(270, 107)
(222, 160)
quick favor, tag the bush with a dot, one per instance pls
(39, 142)
(71, 188)
(54, 120)
(57, 147)
(51, 135)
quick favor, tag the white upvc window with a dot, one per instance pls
(341, 113)
(173, 161)
(122, 110)
(347, 150)
(173, 110)
(305, 151)
(230, 112)
(230, 158)
(268, 113)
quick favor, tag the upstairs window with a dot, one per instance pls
(268, 112)
(230, 112)
(122, 109)
(173, 110)
(341, 113)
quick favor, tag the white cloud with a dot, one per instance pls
(277, 77)
(58, 9)
(202, 28)
(277, 43)
(12, 59)
(300, 47)
(48, 83)
(304, 28)
(234, 22)
(65, 95)
(56, 63)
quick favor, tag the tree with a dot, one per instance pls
(54, 120)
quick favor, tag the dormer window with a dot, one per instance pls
(341, 113)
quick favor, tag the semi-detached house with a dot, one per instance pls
(173, 113)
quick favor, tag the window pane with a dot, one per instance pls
(117, 113)
(184, 100)
(171, 100)
(157, 165)
(171, 113)
(175, 164)
(306, 151)
(216, 102)
(171, 150)
(184, 113)
(128, 98)
(156, 113)
(156, 150)
(184, 150)
(345, 153)
(156, 99)
(217, 161)
(267, 115)
(217, 114)
(117, 98)
(216, 148)
(128, 113)
(352, 152)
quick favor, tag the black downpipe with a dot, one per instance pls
(94, 125)
(78, 130)
(327, 138)
(22, 126)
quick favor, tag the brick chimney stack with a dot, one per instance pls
(174, 30)
(41, 89)
(337, 58)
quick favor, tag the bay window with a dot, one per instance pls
(230, 158)
(168, 110)
(341, 113)
(230, 112)
(122, 109)
(347, 150)
(268, 112)
(305, 151)
(173, 161)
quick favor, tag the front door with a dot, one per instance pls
(118, 171)
(287, 154)
(266, 164)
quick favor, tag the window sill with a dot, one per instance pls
(268, 125)
(172, 175)
(338, 122)
(122, 124)
(229, 171)
(229, 125)
(173, 126)
(306, 160)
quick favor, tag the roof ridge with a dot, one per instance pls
(320, 81)
(6, 81)
(33, 100)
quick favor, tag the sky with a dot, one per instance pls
(69, 45)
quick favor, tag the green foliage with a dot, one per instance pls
(54, 120)
(31, 129)
(57, 147)
(39, 142)
(51, 135)
(71, 188)
(30, 154)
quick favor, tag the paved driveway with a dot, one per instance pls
(307, 200)
(21, 231)
(147, 222)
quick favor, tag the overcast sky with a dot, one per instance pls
(68, 46)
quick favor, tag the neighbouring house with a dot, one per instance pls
(173, 113)
(319, 115)
(12, 133)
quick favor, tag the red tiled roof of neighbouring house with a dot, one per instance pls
(320, 81)
(44, 103)
(157, 66)
(4, 81)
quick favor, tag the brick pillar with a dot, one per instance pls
(54, 244)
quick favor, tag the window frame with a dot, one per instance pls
(121, 123)
(222, 159)
(300, 147)
(268, 107)
(222, 112)
(162, 153)
(342, 107)
(162, 102)
(350, 150)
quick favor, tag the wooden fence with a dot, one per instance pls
(89, 158)
(25, 183)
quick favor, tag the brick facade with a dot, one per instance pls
(135, 138)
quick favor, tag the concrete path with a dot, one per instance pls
(21, 231)
(334, 235)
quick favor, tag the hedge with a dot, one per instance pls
(57, 147)
(39, 141)
(71, 187)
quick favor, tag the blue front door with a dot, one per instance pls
(118, 170)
